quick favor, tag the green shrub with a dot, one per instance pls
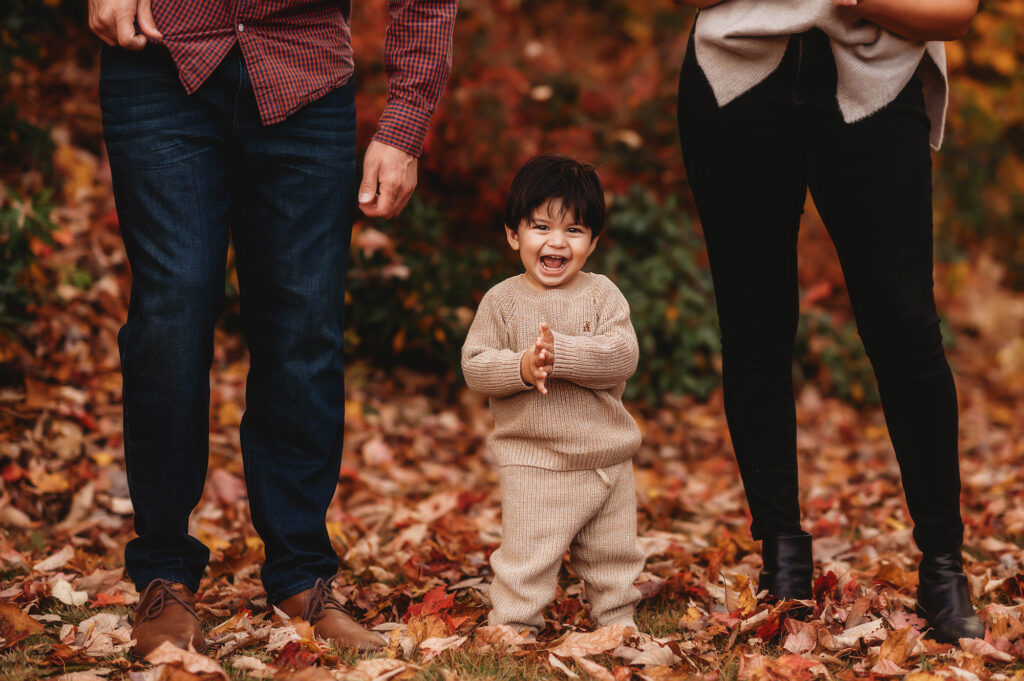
(412, 300)
(652, 254)
(831, 356)
(22, 220)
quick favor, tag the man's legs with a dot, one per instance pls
(292, 191)
(168, 158)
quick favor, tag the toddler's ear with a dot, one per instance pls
(513, 237)
(593, 245)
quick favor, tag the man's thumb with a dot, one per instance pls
(368, 187)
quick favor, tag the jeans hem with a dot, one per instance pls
(142, 583)
(275, 599)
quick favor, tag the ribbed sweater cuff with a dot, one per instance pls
(506, 379)
(570, 358)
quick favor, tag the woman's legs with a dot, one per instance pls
(871, 182)
(746, 168)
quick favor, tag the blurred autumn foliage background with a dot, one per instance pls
(597, 80)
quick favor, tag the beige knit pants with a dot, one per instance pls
(592, 513)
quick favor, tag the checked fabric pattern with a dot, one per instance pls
(298, 50)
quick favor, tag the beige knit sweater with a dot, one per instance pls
(740, 42)
(581, 423)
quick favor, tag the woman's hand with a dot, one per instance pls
(918, 20)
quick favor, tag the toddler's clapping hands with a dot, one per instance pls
(538, 361)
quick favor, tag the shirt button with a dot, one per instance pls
(241, 27)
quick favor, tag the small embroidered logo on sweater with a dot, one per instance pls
(586, 327)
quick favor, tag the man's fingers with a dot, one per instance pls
(392, 173)
(146, 23)
(126, 36)
(368, 187)
(103, 27)
(386, 200)
(405, 193)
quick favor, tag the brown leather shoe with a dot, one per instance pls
(321, 608)
(166, 612)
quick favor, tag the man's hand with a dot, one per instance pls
(114, 22)
(538, 361)
(389, 179)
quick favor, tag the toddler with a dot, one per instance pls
(552, 348)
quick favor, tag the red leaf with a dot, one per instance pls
(12, 472)
(297, 655)
(770, 629)
(825, 585)
(435, 602)
(103, 599)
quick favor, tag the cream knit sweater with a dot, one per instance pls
(581, 423)
(740, 42)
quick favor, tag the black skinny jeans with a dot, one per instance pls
(750, 164)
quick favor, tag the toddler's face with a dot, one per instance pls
(553, 248)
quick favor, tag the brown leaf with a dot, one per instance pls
(55, 561)
(594, 669)
(897, 645)
(802, 637)
(886, 667)
(982, 648)
(190, 661)
(580, 644)
(432, 647)
(15, 624)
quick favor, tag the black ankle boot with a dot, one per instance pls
(788, 566)
(944, 598)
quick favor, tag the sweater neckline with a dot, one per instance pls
(583, 281)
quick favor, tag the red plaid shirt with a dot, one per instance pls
(299, 50)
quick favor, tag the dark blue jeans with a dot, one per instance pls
(750, 165)
(188, 172)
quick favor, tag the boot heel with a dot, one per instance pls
(788, 567)
(943, 591)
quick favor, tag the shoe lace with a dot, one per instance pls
(160, 594)
(321, 599)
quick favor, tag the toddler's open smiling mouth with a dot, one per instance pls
(553, 263)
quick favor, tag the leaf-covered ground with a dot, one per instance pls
(417, 510)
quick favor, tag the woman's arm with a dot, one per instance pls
(919, 20)
(700, 4)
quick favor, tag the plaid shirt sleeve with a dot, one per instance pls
(417, 61)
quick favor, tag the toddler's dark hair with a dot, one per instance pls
(556, 176)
